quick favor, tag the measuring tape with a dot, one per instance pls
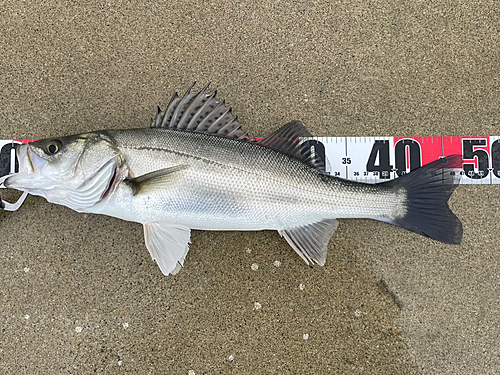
(379, 159)
(374, 159)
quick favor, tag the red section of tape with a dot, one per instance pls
(455, 145)
(25, 141)
(430, 147)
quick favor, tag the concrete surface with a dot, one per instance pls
(79, 293)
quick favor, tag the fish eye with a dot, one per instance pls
(52, 147)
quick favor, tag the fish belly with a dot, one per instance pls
(210, 199)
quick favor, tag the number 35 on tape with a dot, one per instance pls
(378, 159)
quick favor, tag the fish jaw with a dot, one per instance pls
(30, 177)
(24, 160)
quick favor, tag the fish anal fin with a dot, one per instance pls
(168, 245)
(154, 180)
(310, 241)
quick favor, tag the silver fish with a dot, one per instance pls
(196, 169)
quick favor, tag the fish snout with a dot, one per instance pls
(23, 159)
(24, 167)
(29, 165)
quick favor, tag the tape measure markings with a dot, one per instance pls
(375, 159)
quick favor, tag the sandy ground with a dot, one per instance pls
(79, 293)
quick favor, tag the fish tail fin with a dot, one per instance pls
(426, 212)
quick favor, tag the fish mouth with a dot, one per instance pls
(29, 164)
(25, 164)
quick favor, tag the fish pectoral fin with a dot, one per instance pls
(310, 241)
(168, 245)
(154, 180)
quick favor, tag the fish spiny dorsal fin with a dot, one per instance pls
(181, 107)
(200, 113)
(217, 112)
(290, 140)
(192, 109)
(169, 112)
(158, 118)
(205, 109)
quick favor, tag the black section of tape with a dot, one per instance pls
(5, 155)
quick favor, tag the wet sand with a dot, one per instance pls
(80, 294)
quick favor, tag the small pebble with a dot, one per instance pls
(26, 269)
(248, 250)
(302, 286)
(26, 317)
(78, 329)
(125, 325)
(306, 336)
(277, 263)
(254, 266)
(120, 363)
(191, 372)
(257, 306)
(357, 313)
(231, 358)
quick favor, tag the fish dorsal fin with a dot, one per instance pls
(168, 245)
(289, 140)
(311, 241)
(199, 112)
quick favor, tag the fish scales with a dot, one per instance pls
(238, 185)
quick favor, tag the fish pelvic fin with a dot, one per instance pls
(168, 245)
(426, 209)
(311, 241)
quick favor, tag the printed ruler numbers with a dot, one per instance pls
(378, 159)
(374, 159)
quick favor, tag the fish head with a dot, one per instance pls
(75, 171)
